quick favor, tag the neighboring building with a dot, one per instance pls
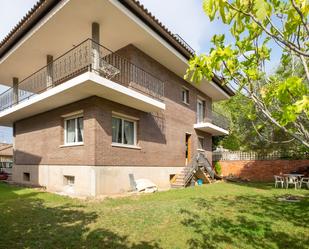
(6, 157)
(110, 102)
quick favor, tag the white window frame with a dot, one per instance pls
(122, 132)
(185, 100)
(65, 130)
(200, 101)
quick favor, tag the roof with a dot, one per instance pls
(43, 7)
(6, 149)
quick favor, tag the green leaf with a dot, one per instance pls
(262, 9)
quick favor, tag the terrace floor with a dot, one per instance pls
(222, 215)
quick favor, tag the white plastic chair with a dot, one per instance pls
(292, 180)
(304, 180)
(279, 179)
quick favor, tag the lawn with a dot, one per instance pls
(222, 215)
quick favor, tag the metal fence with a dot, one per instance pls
(87, 56)
(240, 155)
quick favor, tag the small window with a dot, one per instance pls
(69, 180)
(185, 95)
(26, 177)
(74, 130)
(200, 111)
(201, 144)
(123, 131)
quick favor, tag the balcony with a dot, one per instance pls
(87, 69)
(218, 125)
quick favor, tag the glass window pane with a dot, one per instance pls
(128, 132)
(187, 96)
(201, 143)
(200, 111)
(70, 131)
(116, 130)
(80, 129)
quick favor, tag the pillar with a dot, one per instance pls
(49, 71)
(15, 90)
(95, 34)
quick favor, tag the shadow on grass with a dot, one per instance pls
(27, 222)
(256, 185)
(247, 222)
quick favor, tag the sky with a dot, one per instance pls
(183, 17)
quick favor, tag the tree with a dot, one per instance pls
(251, 134)
(283, 100)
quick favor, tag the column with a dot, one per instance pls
(49, 71)
(95, 31)
(15, 90)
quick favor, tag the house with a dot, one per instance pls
(6, 157)
(97, 97)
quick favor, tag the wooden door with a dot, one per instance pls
(188, 148)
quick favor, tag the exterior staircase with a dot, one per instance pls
(199, 163)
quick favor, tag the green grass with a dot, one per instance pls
(222, 215)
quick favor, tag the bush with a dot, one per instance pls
(218, 168)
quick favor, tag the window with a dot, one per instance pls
(26, 177)
(200, 111)
(185, 95)
(74, 130)
(69, 180)
(6, 164)
(123, 131)
(201, 144)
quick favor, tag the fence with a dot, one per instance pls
(252, 155)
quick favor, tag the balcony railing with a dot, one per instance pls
(220, 120)
(87, 56)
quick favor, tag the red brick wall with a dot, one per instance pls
(260, 170)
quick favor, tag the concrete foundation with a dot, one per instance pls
(90, 180)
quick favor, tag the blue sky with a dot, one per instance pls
(183, 17)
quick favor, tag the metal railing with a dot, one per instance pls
(87, 56)
(220, 120)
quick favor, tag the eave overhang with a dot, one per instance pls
(43, 7)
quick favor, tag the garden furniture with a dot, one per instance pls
(280, 180)
(304, 180)
(293, 179)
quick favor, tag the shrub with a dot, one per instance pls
(218, 168)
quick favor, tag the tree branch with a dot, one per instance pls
(288, 44)
(301, 16)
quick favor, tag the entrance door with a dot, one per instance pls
(188, 148)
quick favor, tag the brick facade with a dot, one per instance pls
(261, 170)
(161, 136)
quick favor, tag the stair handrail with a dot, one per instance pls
(204, 162)
(193, 165)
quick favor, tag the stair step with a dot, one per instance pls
(177, 186)
(180, 177)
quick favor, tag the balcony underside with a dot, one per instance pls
(211, 129)
(83, 86)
